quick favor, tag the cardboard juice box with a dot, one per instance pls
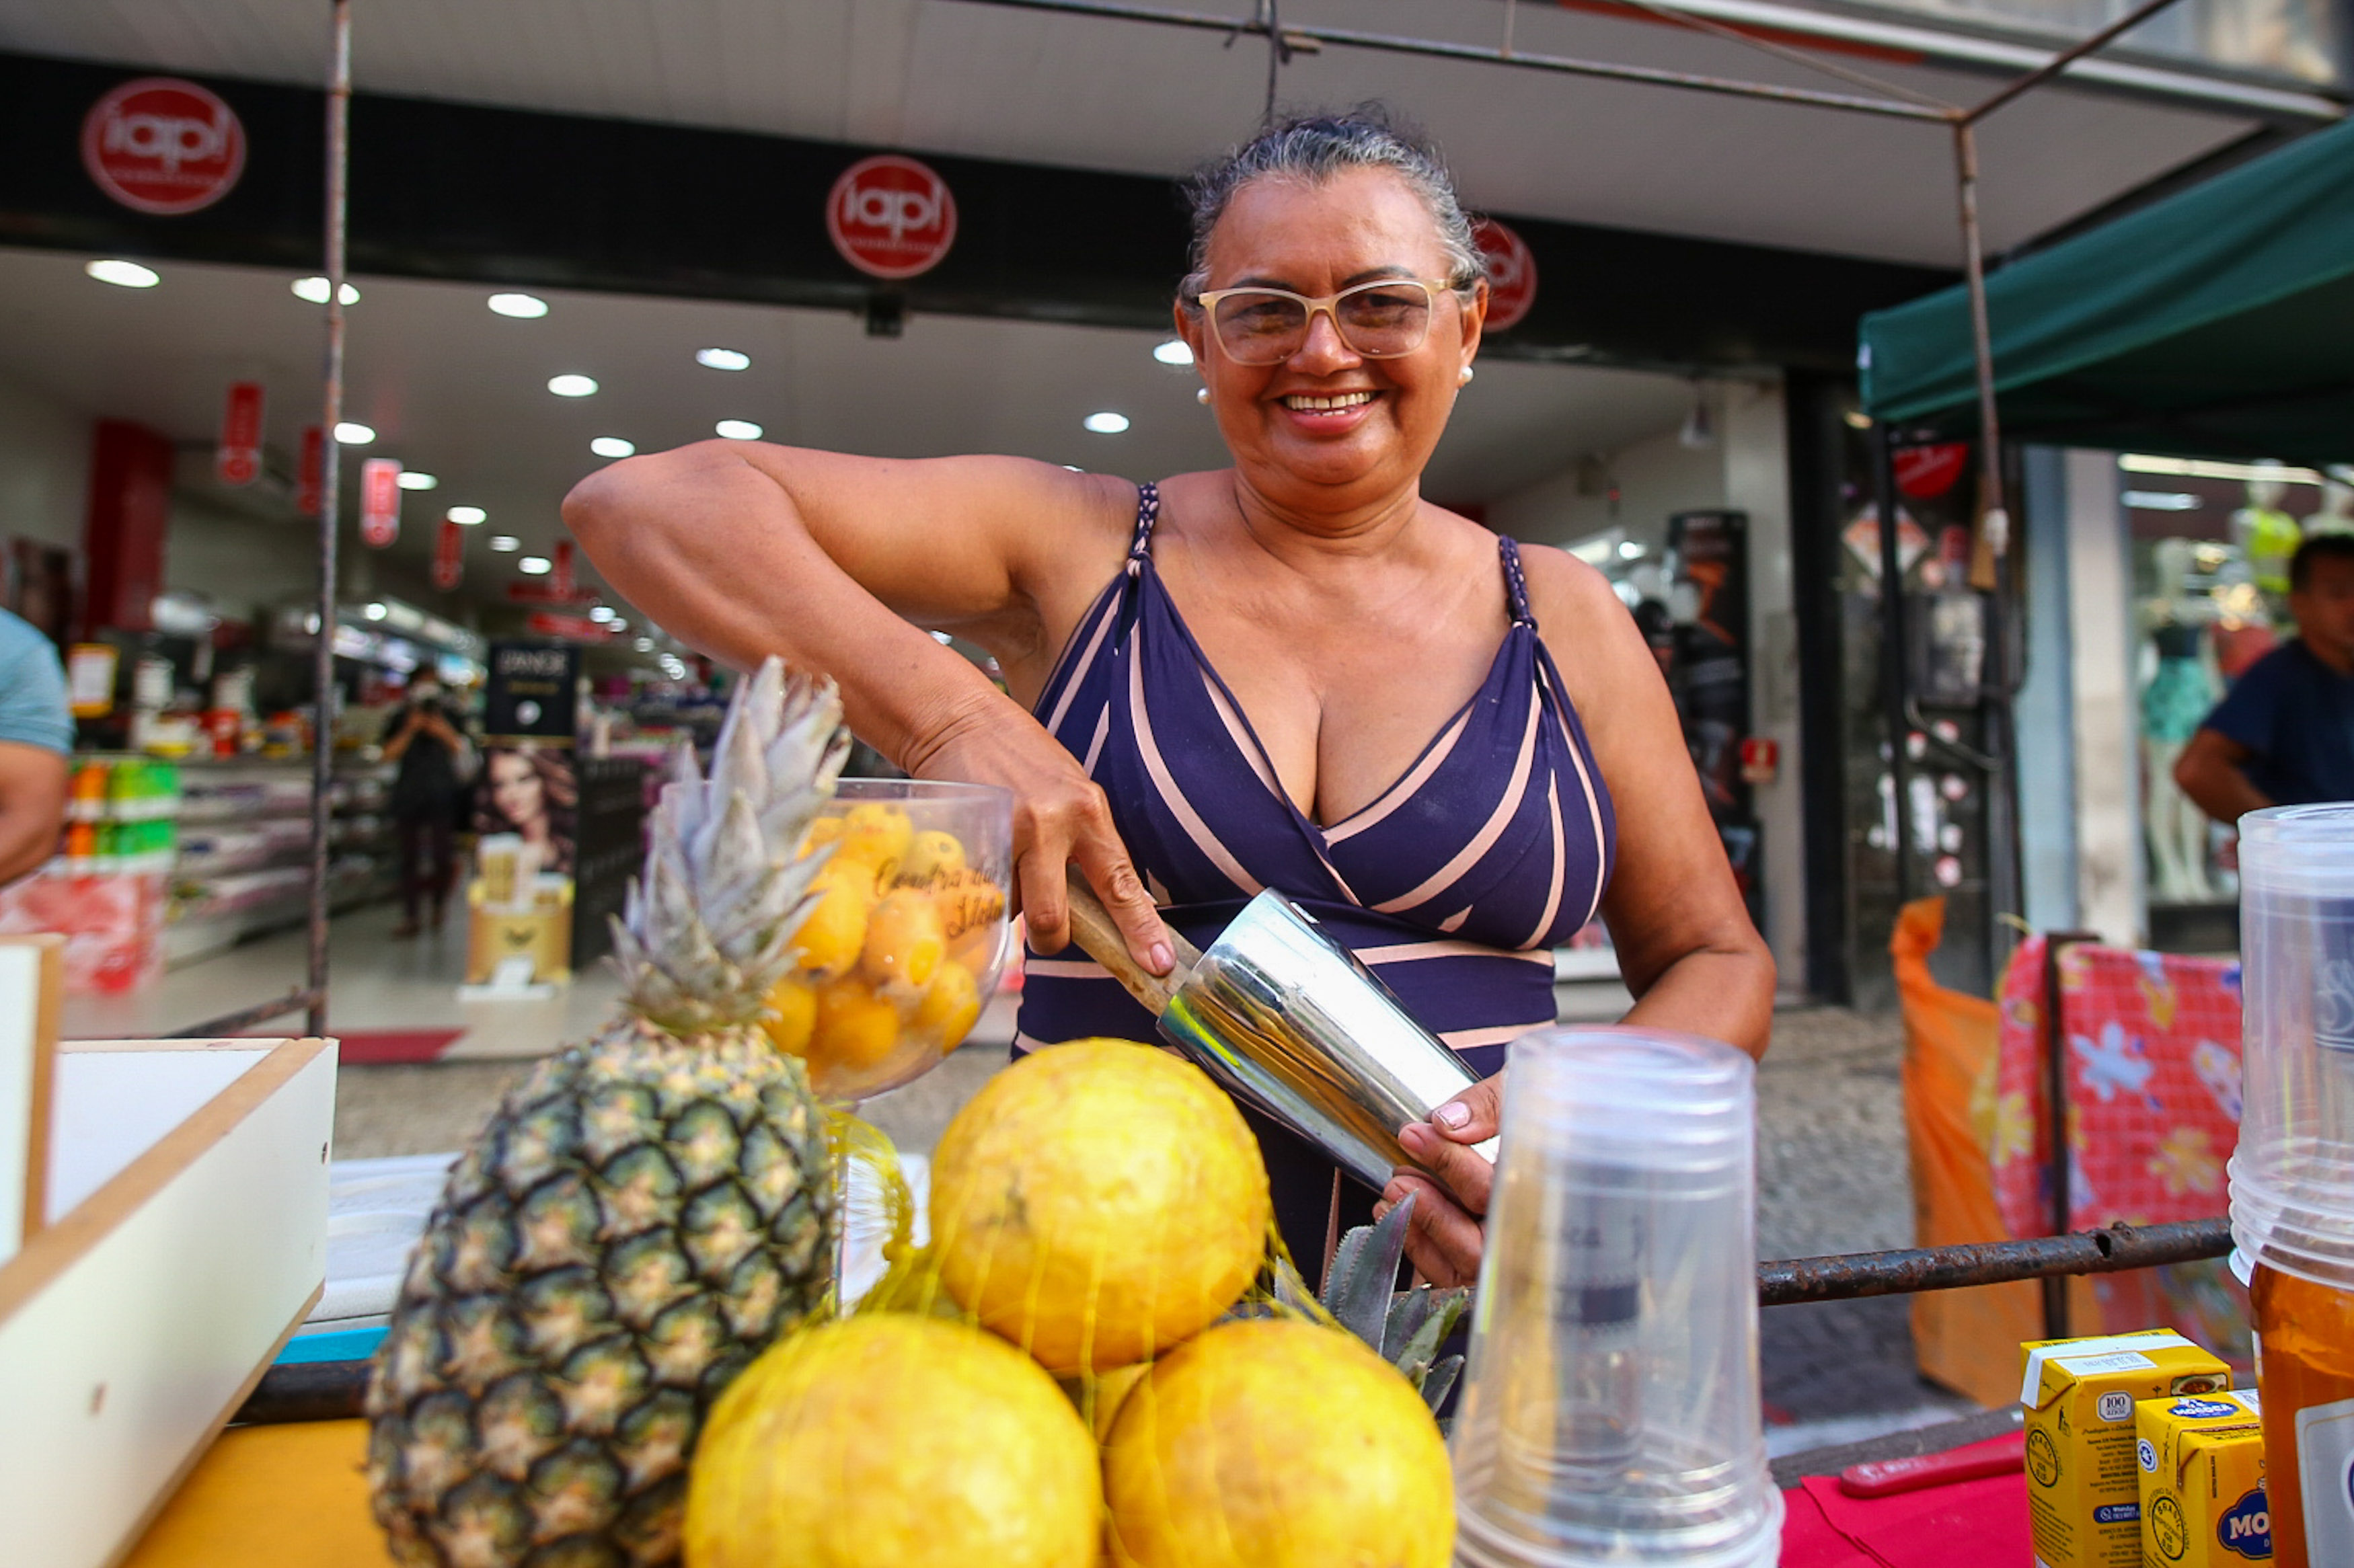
(2202, 1481)
(2084, 1491)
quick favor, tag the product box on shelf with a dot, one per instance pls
(2084, 1492)
(185, 1240)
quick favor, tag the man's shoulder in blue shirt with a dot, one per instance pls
(32, 688)
(2296, 716)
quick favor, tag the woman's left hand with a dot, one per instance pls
(1443, 1240)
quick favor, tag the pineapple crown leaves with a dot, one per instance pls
(1405, 1326)
(709, 928)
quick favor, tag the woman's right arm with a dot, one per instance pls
(839, 563)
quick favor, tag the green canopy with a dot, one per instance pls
(2219, 322)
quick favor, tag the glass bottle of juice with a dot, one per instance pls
(2304, 1370)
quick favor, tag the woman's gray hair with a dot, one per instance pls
(1313, 148)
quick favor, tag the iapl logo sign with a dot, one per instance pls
(164, 146)
(891, 216)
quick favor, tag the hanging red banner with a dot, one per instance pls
(449, 555)
(578, 628)
(1926, 473)
(310, 471)
(561, 578)
(379, 501)
(238, 461)
(549, 593)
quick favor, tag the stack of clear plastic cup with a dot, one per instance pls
(2293, 1175)
(1610, 1414)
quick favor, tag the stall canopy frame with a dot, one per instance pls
(1886, 99)
(2218, 323)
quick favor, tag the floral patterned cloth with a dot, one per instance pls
(2153, 1044)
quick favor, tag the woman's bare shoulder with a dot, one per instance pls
(1586, 628)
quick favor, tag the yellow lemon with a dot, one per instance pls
(931, 855)
(795, 1002)
(892, 1441)
(821, 833)
(905, 941)
(875, 834)
(853, 1029)
(1274, 1443)
(1098, 1202)
(950, 1007)
(836, 929)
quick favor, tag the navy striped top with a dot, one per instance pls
(1454, 884)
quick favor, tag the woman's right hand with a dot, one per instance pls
(1061, 818)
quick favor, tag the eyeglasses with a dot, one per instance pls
(1384, 318)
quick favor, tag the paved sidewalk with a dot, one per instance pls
(1832, 1177)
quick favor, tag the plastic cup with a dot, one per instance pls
(2292, 1174)
(1610, 1414)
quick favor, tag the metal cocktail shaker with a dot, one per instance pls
(1294, 1025)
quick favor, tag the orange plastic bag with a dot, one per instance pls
(1967, 1340)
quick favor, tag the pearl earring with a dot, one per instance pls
(1463, 379)
(1202, 395)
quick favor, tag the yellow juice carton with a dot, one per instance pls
(2084, 1492)
(2202, 1481)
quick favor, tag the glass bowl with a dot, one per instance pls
(904, 948)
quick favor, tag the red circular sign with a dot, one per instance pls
(1925, 472)
(161, 145)
(891, 216)
(1511, 273)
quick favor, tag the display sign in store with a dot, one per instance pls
(238, 459)
(163, 146)
(577, 628)
(310, 471)
(1511, 273)
(449, 555)
(1926, 473)
(891, 216)
(380, 501)
(529, 693)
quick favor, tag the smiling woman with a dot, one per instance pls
(1293, 673)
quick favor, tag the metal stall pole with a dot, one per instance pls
(322, 654)
(2055, 1105)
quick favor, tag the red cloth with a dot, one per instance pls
(1969, 1525)
(1809, 1541)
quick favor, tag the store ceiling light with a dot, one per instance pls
(123, 274)
(613, 447)
(376, 612)
(503, 542)
(571, 386)
(1106, 423)
(2162, 501)
(521, 307)
(415, 479)
(1629, 550)
(2197, 468)
(534, 566)
(467, 516)
(737, 430)
(600, 612)
(723, 358)
(313, 291)
(643, 645)
(352, 434)
(1172, 352)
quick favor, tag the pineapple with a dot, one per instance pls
(1405, 1327)
(640, 1218)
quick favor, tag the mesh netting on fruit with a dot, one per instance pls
(1102, 1355)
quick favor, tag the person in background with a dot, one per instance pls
(425, 794)
(37, 736)
(2283, 735)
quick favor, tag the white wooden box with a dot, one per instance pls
(187, 1199)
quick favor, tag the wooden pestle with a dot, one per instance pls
(1099, 935)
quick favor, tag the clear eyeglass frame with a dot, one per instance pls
(1327, 305)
